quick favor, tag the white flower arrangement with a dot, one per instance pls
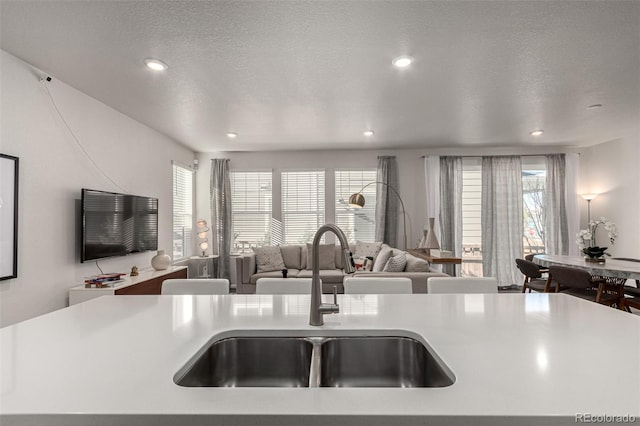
(586, 238)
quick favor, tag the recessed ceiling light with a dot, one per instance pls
(368, 133)
(232, 135)
(402, 61)
(594, 106)
(155, 65)
(537, 132)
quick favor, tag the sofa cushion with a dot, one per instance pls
(367, 249)
(415, 264)
(268, 258)
(339, 264)
(327, 259)
(292, 256)
(382, 258)
(328, 276)
(292, 273)
(396, 263)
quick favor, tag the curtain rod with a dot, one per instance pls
(505, 155)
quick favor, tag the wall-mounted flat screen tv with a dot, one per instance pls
(117, 224)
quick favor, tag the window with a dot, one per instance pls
(251, 204)
(182, 212)
(357, 224)
(534, 176)
(302, 205)
(471, 215)
(533, 187)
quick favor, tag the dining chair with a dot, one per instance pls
(633, 301)
(530, 257)
(284, 285)
(533, 279)
(578, 282)
(377, 285)
(195, 286)
(462, 285)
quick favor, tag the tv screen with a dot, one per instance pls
(117, 224)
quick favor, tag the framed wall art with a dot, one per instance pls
(8, 217)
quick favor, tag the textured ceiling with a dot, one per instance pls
(315, 75)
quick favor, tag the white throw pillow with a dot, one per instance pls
(367, 249)
(382, 258)
(268, 258)
(396, 263)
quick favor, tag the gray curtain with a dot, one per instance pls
(220, 197)
(556, 229)
(387, 218)
(451, 207)
(501, 218)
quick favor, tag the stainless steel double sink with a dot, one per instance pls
(337, 361)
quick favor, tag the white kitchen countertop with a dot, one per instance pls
(518, 359)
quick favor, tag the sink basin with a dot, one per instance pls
(379, 362)
(315, 361)
(250, 362)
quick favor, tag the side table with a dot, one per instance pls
(436, 260)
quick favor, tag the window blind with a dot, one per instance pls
(357, 224)
(182, 212)
(251, 204)
(302, 205)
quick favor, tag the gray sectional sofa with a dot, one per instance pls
(295, 261)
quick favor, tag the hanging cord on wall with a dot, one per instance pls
(99, 268)
(44, 82)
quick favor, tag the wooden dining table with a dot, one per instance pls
(616, 271)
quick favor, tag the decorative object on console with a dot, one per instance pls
(357, 200)
(284, 273)
(134, 271)
(202, 235)
(429, 240)
(586, 240)
(161, 261)
(103, 280)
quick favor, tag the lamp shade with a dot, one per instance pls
(356, 200)
(589, 197)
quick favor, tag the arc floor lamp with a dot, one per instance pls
(357, 200)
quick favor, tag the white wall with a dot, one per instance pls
(53, 169)
(411, 183)
(612, 170)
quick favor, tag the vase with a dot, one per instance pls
(429, 240)
(160, 261)
(594, 259)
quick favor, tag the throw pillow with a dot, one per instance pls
(381, 259)
(268, 258)
(396, 263)
(415, 264)
(367, 249)
(327, 256)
